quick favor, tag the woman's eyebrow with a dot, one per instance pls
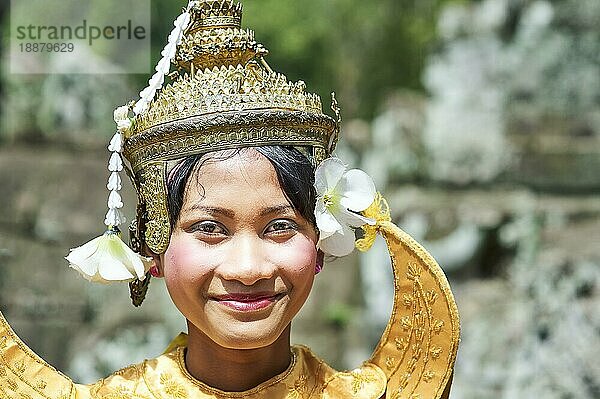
(212, 210)
(283, 208)
(216, 210)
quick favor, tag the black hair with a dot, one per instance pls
(295, 174)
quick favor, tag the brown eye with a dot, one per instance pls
(208, 227)
(281, 226)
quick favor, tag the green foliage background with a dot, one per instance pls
(360, 49)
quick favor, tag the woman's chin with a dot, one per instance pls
(247, 335)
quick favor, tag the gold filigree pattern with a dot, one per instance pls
(407, 299)
(121, 392)
(198, 135)
(428, 376)
(19, 367)
(438, 326)
(218, 46)
(414, 271)
(12, 385)
(431, 296)
(401, 343)
(407, 323)
(299, 390)
(227, 89)
(153, 194)
(358, 381)
(390, 362)
(435, 352)
(215, 14)
(172, 388)
(424, 306)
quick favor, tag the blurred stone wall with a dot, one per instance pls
(495, 171)
(497, 174)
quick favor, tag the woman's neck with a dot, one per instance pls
(235, 370)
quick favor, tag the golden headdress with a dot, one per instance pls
(222, 95)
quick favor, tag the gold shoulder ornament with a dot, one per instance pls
(418, 348)
(419, 345)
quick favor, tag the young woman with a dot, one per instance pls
(239, 199)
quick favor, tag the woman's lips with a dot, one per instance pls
(248, 302)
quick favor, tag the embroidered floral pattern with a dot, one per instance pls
(299, 390)
(172, 388)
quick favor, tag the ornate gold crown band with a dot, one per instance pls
(227, 130)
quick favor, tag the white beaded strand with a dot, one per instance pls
(114, 217)
(164, 65)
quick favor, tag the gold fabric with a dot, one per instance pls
(25, 375)
(414, 359)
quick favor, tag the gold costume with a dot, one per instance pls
(224, 95)
(414, 359)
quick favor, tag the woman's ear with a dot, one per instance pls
(320, 261)
(156, 270)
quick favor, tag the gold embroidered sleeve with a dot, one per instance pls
(419, 345)
(366, 382)
(24, 375)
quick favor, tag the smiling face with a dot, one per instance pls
(241, 260)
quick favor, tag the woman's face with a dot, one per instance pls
(241, 261)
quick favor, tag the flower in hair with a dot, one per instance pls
(341, 195)
(108, 259)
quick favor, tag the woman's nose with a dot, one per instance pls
(246, 261)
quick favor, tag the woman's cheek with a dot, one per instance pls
(298, 258)
(186, 262)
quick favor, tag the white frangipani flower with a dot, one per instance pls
(341, 195)
(108, 259)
